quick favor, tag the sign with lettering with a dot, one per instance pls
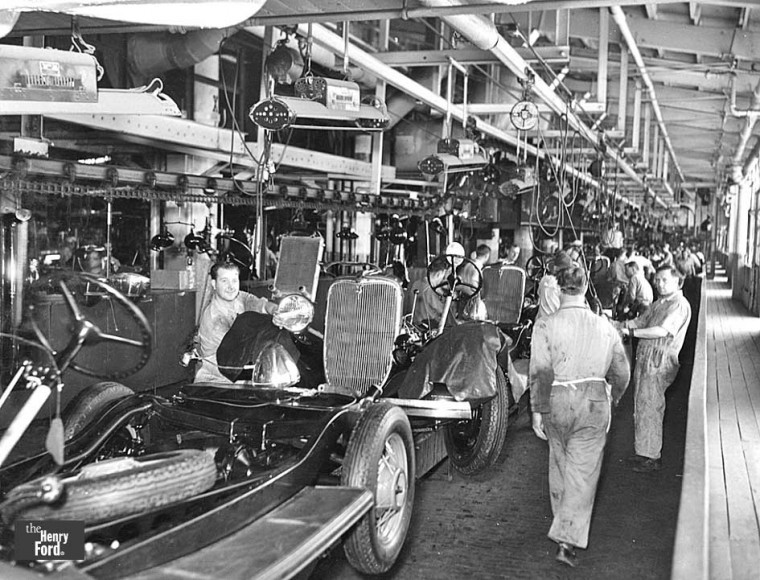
(49, 540)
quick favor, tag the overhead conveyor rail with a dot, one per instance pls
(44, 176)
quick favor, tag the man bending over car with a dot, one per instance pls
(227, 302)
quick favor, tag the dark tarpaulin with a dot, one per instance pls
(464, 358)
(247, 337)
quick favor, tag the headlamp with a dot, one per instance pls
(294, 312)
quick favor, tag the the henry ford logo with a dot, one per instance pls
(49, 540)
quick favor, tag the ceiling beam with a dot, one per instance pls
(664, 71)
(630, 41)
(272, 13)
(695, 12)
(687, 38)
(744, 18)
(468, 56)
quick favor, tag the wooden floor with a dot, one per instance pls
(733, 434)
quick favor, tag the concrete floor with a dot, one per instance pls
(495, 525)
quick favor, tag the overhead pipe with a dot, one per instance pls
(620, 19)
(483, 33)
(751, 116)
(152, 53)
(335, 43)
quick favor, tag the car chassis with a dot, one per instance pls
(156, 479)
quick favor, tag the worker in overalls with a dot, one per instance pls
(661, 332)
(578, 372)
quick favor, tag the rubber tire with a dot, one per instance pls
(365, 550)
(119, 487)
(491, 425)
(89, 403)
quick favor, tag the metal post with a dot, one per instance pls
(636, 132)
(647, 129)
(377, 138)
(712, 239)
(601, 75)
(260, 244)
(109, 222)
(623, 96)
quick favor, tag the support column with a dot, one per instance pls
(636, 132)
(711, 245)
(260, 236)
(562, 28)
(601, 74)
(623, 92)
(329, 236)
(522, 238)
(741, 218)
(647, 129)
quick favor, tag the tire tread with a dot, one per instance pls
(492, 434)
(359, 469)
(174, 476)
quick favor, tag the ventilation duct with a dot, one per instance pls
(151, 54)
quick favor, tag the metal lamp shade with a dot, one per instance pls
(194, 241)
(161, 241)
(274, 368)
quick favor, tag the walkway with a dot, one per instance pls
(733, 435)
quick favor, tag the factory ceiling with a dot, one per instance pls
(669, 90)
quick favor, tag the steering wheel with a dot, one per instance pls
(86, 333)
(456, 276)
(536, 267)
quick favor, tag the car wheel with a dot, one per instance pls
(476, 444)
(116, 487)
(380, 458)
(89, 404)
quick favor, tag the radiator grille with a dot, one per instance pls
(503, 291)
(362, 322)
(298, 265)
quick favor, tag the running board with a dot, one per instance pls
(279, 545)
(436, 409)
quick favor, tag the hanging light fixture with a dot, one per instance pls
(195, 241)
(346, 233)
(453, 156)
(163, 240)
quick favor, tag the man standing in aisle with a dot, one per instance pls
(661, 332)
(578, 372)
(549, 292)
(638, 295)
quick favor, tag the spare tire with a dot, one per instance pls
(89, 404)
(116, 487)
